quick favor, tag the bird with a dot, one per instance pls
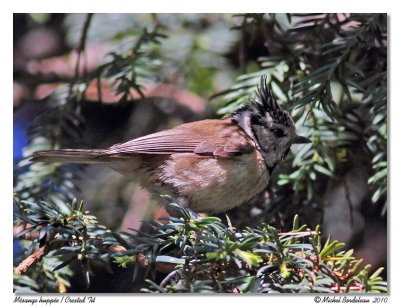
(208, 166)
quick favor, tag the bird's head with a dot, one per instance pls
(270, 127)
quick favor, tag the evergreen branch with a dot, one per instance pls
(201, 254)
(206, 256)
(126, 70)
(331, 62)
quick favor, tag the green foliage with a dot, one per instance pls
(43, 279)
(331, 71)
(195, 51)
(200, 254)
(56, 124)
(44, 193)
(212, 257)
(60, 124)
(379, 178)
(128, 69)
(69, 234)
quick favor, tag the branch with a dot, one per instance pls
(32, 259)
(82, 43)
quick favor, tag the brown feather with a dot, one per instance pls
(70, 156)
(219, 138)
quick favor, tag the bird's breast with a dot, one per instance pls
(215, 184)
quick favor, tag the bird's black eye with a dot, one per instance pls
(278, 133)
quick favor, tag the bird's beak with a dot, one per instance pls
(301, 139)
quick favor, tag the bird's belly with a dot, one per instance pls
(215, 184)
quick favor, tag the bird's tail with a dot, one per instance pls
(74, 156)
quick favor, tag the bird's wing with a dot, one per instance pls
(219, 138)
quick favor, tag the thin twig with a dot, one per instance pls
(304, 233)
(82, 43)
(348, 198)
(28, 262)
(157, 22)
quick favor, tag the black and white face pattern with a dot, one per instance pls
(274, 138)
(271, 128)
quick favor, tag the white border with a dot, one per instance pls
(176, 6)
